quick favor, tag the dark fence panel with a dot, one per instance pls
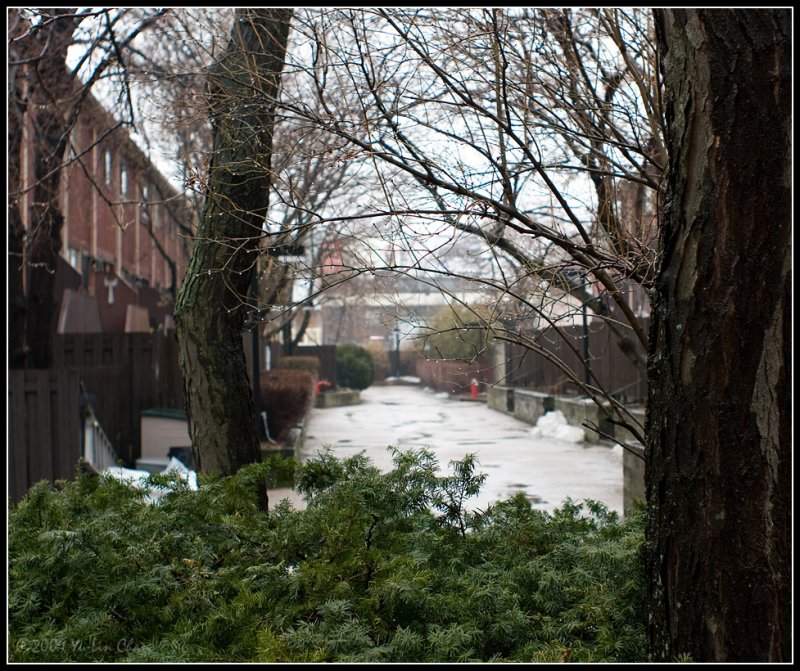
(44, 441)
(123, 374)
(609, 365)
(327, 359)
(325, 353)
(108, 390)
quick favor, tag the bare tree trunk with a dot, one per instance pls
(49, 87)
(211, 305)
(16, 232)
(719, 425)
(45, 244)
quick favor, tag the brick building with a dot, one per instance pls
(126, 237)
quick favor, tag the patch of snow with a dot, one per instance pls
(130, 476)
(408, 379)
(181, 469)
(138, 479)
(553, 424)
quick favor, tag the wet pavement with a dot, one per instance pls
(546, 470)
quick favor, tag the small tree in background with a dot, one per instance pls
(307, 363)
(456, 332)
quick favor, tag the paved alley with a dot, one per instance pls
(545, 469)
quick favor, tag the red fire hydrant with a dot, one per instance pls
(474, 388)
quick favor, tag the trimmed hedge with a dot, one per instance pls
(287, 395)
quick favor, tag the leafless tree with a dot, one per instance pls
(243, 86)
(719, 422)
(537, 133)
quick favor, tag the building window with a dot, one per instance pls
(72, 146)
(108, 163)
(123, 178)
(74, 258)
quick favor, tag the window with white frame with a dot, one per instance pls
(145, 205)
(74, 258)
(108, 164)
(123, 178)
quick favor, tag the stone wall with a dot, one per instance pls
(625, 436)
(500, 399)
(529, 406)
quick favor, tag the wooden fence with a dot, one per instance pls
(454, 377)
(44, 424)
(614, 371)
(123, 374)
(118, 374)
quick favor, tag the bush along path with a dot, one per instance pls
(378, 568)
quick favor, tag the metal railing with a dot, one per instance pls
(98, 452)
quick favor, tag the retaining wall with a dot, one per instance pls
(497, 398)
(528, 406)
(622, 434)
(334, 399)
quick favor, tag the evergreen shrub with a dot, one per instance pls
(281, 470)
(355, 368)
(379, 567)
(286, 396)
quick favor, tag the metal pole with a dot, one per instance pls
(287, 338)
(586, 375)
(256, 372)
(397, 352)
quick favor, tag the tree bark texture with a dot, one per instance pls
(718, 473)
(212, 302)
